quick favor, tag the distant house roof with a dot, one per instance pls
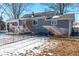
(48, 14)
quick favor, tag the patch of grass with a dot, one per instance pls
(65, 47)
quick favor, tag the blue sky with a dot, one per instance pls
(37, 8)
(40, 8)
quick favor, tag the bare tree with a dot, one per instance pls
(1, 12)
(58, 7)
(14, 10)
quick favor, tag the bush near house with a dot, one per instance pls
(2, 23)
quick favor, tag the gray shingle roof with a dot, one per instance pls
(48, 14)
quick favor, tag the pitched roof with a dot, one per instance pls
(49, 13)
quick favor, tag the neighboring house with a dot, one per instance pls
(57, 25)
(75, 28)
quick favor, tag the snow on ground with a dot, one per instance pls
(21, 46)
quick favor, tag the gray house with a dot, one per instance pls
(57, 25)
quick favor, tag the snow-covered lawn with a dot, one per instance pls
(21, 46)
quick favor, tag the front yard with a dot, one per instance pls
(57, 47)
(42, 46)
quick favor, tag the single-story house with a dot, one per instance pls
(57, 25)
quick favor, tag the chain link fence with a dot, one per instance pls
(7, 39)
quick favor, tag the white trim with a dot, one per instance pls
(10, 20)
(70, 28)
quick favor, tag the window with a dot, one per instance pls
(34, 22)
(54, 22)
(47, 23)
(24, 26)
(20, 22)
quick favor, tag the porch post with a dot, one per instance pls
(6, 27)
(70, 28)
(18, 26)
